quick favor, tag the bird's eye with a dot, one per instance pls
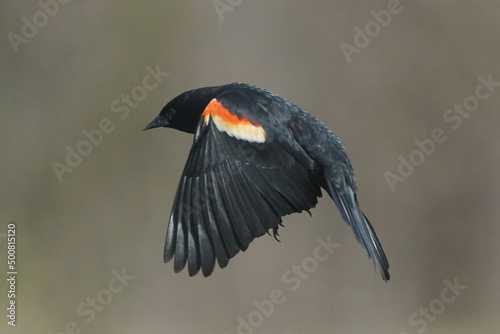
(170, 113)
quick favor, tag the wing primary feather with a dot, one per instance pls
(235, 207)
(218, 244)
(205, 251)
(190, 217)
(181, 247)
(169, 250)
(221, 218)
(173, 226)
(212, 157)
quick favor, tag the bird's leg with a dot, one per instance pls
(275, 230)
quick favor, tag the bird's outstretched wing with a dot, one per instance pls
(244, 172)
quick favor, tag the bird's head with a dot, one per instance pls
(163, 119)
(184, 111)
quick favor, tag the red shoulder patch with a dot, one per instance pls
(234, 126)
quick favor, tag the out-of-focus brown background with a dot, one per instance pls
(109, 214)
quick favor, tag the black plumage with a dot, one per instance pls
(256, 157)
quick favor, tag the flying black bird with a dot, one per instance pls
(256, 157)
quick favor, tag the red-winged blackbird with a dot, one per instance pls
(256, 157)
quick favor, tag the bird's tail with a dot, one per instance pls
(347, 203)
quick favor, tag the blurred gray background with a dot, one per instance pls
(109, 214)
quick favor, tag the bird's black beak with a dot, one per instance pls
(157, 122)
